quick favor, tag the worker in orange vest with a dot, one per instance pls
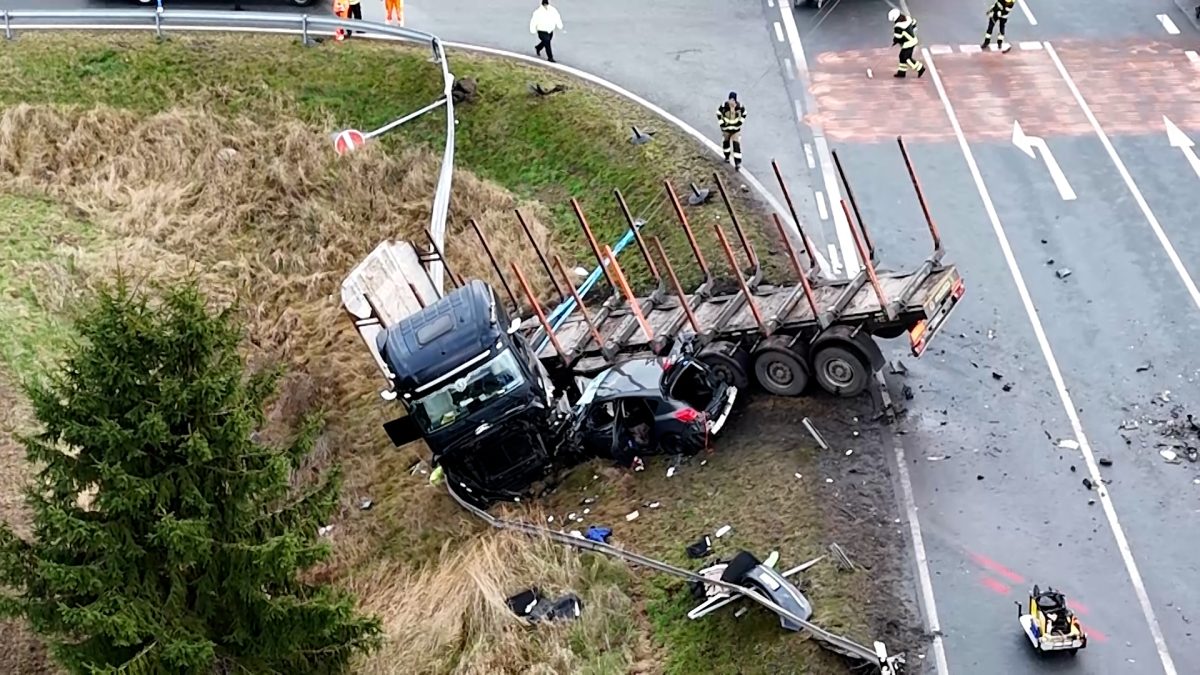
(395, 7)
(340, 10)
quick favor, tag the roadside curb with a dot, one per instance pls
(687, 129)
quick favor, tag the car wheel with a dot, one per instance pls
(840, 371)
(728, 363)
(780, 371)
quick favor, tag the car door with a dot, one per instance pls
(599, 427)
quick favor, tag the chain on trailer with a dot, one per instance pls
(876, 657)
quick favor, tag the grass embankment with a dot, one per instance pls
(211, 157)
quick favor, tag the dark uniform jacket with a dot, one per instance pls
(904, 32)
(1001, 8)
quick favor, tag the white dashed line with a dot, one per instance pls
(770, 3)
(970, 49)
(1193, 57)
(835, 261)
(808, 155)
(1028, 14)
(822, 209)
(1168, 25)
(787, 68)
(778, 32)
(941, 49)
(1030, 46)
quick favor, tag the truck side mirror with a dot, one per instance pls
(514, 326)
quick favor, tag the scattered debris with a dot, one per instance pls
(1063, 272)
(1008, 386)
(828, 480)
(937, 458)
(599, 533)
(798, 476)
(632, 516)
(1087, 483)
(1144, 367)
(419, 465)
(722, 531)
(908, 393)
(1091, 502)
(572, 517)
(898, 367)
(701, 548)
(1169, 455)
(991, 334)
(1165, 396)
(530, 604)
(1128, 425)
(1069, 444)
(324, 530)
(1072, 468)
(588, 500)
(813, 431)
(641, 137)
(670, 471)
(741, 611)
(365, 504)
(464, 90)
(1104, 461)
(654, 505)
(549, 519)
(538, 90)
(843, 561)
(979, 477)
(870, 75)
(849, 452)
(699, 195)
(997, 376)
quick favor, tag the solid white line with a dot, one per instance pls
(770, 3)
(914, 527)
(832, 189)
(787, 67)
(1125, 175)
(1168, 25)
(684, 127)
(970, 49)
(834, 259)
(1056, 374)
(1032, 46)
(808, 156)
(822, 210)
(778, 32)
(1193, 57)
(941, 49)
(1028, 14)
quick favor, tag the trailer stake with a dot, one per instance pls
(741, 280)
(487, 248)
(587, 230)
(587, 316)
(751, 256)
(541, 315)
(803, 278)
(683, 299)
(541, 256)
(637, 236)
(912, 173)
(629, 296)
(870, 268)
(687, 229)
(837, 162)
(787, 197)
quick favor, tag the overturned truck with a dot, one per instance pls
(503, 402)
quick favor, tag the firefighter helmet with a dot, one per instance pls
(893, 15)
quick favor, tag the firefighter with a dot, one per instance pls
(730, 115)
(904, 33)
(998, 17)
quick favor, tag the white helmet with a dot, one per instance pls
(893, 15)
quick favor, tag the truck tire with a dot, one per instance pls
(841, 371)
(728, 362)
(780, 370)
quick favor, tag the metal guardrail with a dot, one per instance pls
(304, 25)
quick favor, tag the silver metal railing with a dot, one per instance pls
(304, 25)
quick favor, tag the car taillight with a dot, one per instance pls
(687, 415)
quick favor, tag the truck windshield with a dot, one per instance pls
(466, 394)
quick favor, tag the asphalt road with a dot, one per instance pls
(1000, 499)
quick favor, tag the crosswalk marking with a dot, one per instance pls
(1032, 46)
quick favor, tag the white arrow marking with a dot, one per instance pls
(1178, 139)
(1027, 143)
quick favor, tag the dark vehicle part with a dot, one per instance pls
(840, 371)
(876, 657)
(728, 362)
(779, 369)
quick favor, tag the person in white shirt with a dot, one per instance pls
(543, 22)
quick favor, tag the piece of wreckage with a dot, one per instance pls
(746, 570)
(504, 406)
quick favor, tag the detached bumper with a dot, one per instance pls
(716, 423)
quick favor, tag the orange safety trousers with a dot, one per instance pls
(394, 7)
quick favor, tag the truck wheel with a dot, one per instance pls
(728, 362)
(780, 371)
(840, 371)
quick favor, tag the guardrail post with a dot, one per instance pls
(158, 25)
(7, 26)
(304, 39)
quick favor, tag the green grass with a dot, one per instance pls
(574, 144)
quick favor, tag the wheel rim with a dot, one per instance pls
(780, 374)
(839, 372)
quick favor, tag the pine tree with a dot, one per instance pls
(167, 538)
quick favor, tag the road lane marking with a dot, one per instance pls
(970, 49)
(770, 3)
(808, 156)
(1030, 46)
(941, 49)
(778, 32)
(1027, 143)
(833, 259)
(1060, 384)
(1028, 14)
(841, 226)
(1128, 178)
(1193, 57)
(822, 210)
(994, 585)
(787, 66)
(923, 576)
(1177, 139)
(1168, 25)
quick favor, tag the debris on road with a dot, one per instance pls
(598, 533)
(670, 471)
(641, 137)
(937, 458)
(898, 367)
(741, 611)
(722, 531)
(701, 548)
(1165, 396)
(530, 604)
(1129, 425)
(1144, 367)
(365, 504)
(1170, 456)
(1069, 444)
(1104, 461)
(1087, 483)
(908, 393)
(991, 334)
(632, 516)
(1008, 386)
(870, 75)
(815, 434)
(979, 477)
(843, 561)
(997, 376)
(1063, 272)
